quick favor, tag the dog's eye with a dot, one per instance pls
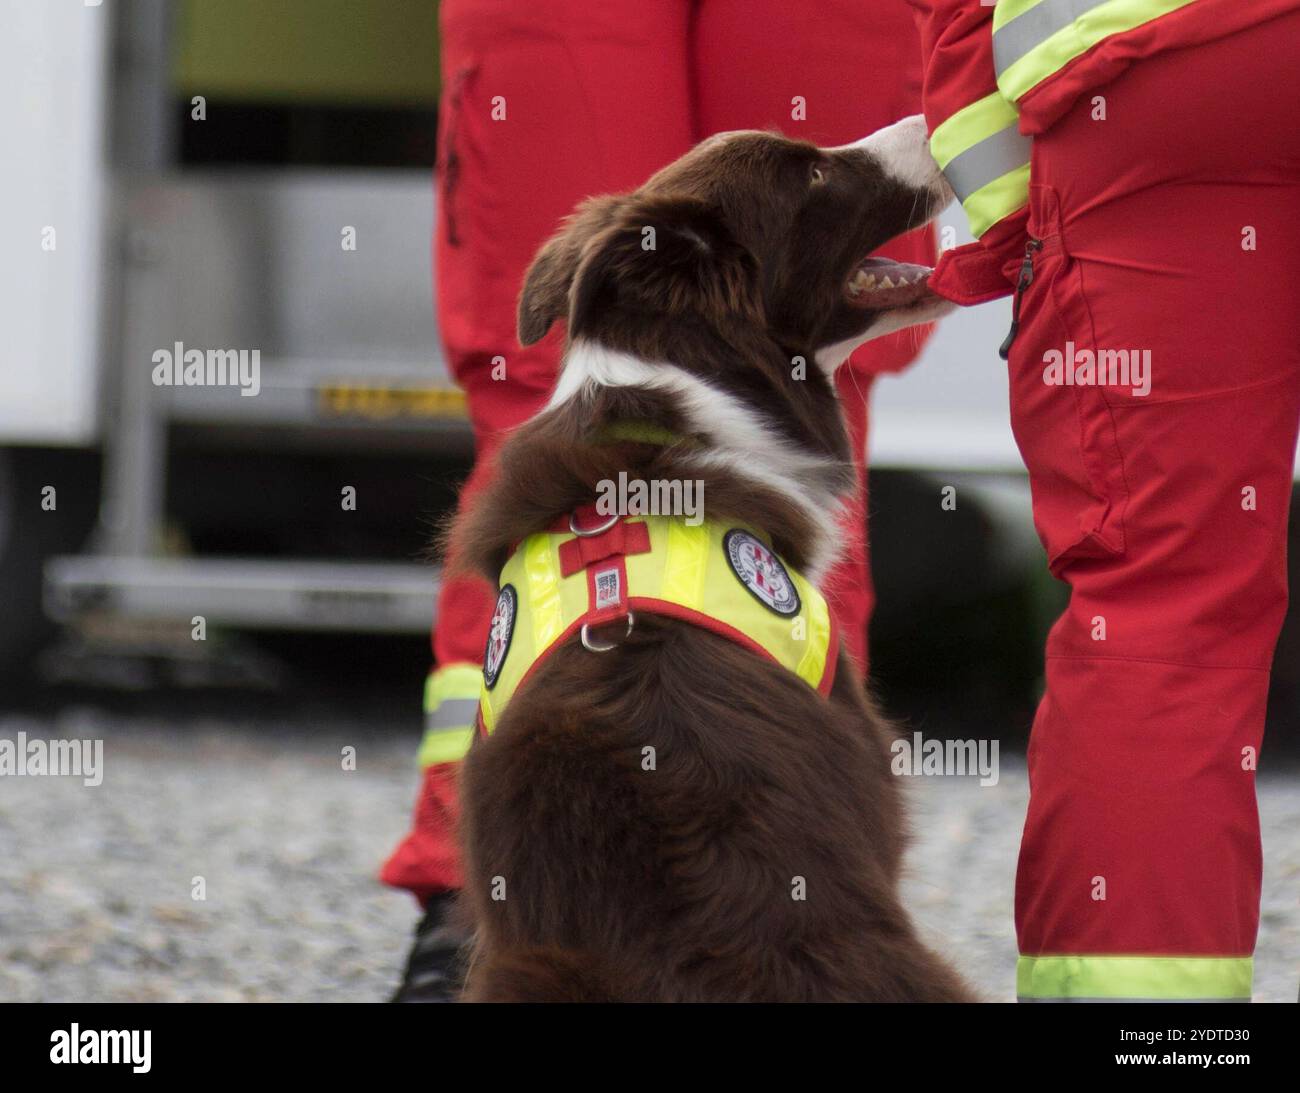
(817, 175)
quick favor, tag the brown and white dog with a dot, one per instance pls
(676, 885)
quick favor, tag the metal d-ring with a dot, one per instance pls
(584, 533)
(592, 646)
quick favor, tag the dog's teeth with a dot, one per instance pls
(862, 282)
(886, 282)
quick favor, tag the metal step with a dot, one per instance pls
(250, 593)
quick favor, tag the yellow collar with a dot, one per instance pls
(643, 431)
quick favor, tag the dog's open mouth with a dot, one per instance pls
(881, 284)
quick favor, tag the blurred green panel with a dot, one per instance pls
(374, 52)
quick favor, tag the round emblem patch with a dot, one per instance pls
(502, 630)
(761, 571)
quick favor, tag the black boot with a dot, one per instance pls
(435, 967)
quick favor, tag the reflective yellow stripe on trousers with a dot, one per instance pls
(1134, 978)
(450, 704)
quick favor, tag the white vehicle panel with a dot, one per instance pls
(52, 93)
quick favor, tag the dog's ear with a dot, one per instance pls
(668, 256)
(545, 295)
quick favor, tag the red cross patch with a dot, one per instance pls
(758, 568)
(499, 635)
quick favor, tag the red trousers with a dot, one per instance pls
(547, 102)
(1170, 226)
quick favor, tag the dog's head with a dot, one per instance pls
(750, 228)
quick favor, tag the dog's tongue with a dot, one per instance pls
(879, 283)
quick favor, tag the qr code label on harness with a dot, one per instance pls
(609, 590)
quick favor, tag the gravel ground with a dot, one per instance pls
(96, 883)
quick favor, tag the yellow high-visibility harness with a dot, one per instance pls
(593, 570)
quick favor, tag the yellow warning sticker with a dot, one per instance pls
(383, 403)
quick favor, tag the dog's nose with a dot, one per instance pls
(903, 152)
